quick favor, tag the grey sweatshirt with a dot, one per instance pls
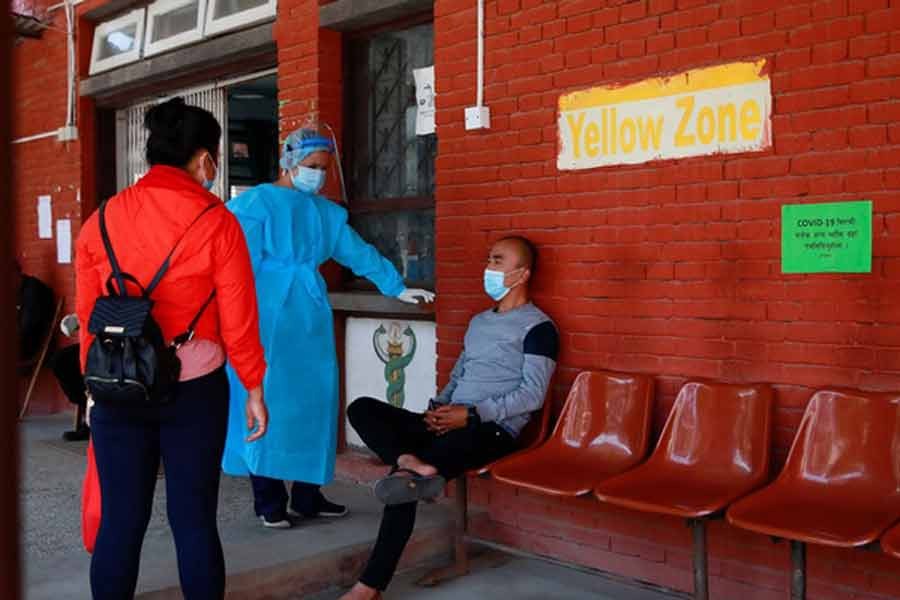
(505, 366)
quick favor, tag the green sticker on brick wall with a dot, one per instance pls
(826, 238)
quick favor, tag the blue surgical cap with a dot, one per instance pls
(300, 144)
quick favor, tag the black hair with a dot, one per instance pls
(527, 250)
(177, 131)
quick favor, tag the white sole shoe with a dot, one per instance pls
(323, 514)
(283, 524)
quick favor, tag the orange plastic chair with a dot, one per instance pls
(890, 542)
(714, 448)
(604, 429)
(841, 483)
(534, 434)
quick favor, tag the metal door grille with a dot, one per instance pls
(131, 136)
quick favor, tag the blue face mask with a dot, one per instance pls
(308, 180)
(208, 184)
(493, 284)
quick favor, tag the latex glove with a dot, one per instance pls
(412, 295)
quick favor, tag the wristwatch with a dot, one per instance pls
(473, 418)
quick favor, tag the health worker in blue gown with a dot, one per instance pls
(291, 230)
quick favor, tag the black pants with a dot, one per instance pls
(188, 434)
(270, 497)
(66, 366)
(390, 432)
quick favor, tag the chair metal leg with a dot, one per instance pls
(798, 570)
(701, 575)
(460, 549)
(460, 565)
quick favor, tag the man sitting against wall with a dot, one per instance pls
(499, 380)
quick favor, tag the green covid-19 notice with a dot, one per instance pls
(833, 237)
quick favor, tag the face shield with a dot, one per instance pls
(313, 137)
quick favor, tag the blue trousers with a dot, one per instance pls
(270, 497)
(188, 435)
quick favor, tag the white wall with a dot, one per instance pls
(365, 371)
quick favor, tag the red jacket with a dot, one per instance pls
(144, 222)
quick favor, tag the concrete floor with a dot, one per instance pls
(515, 578)
(56, 565)
(294, 564)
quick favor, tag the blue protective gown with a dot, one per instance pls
(290, 234)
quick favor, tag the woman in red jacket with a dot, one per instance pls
(187, 434)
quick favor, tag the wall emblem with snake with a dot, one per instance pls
(389, 347)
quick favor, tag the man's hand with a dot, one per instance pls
(447, 418)
(257, 414)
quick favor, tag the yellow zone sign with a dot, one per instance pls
(721, 109)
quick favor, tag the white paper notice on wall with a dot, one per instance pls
(45, 217)
(424, 100)
(64, 241)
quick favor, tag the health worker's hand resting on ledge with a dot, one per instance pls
(412, 296)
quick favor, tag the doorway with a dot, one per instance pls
(247, 108)
(252, 134)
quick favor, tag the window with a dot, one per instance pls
(173, 23)
(117, 42)
(223, 15)
(390, 174)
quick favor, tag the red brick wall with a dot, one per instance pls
(44, 167)
(668, 268)
(310, 80)
(672, 268)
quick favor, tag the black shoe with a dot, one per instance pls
(276, 520)
(78, 435)
(327, 509)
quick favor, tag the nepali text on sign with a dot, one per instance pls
(833, 237)
(716, 110)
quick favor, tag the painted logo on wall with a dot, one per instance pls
(396, 348)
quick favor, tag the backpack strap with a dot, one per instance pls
(127, 277)
(165, 265)
(116, 270)
(188, 335)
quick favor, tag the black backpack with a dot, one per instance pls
(129, 361)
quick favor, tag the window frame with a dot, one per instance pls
(238, 20)
(98, 65)
(361, 205)
(184, 38)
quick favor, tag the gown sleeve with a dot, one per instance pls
(364, 260)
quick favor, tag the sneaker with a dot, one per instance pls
(77, 435)
(276, 520)
(327, 509)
